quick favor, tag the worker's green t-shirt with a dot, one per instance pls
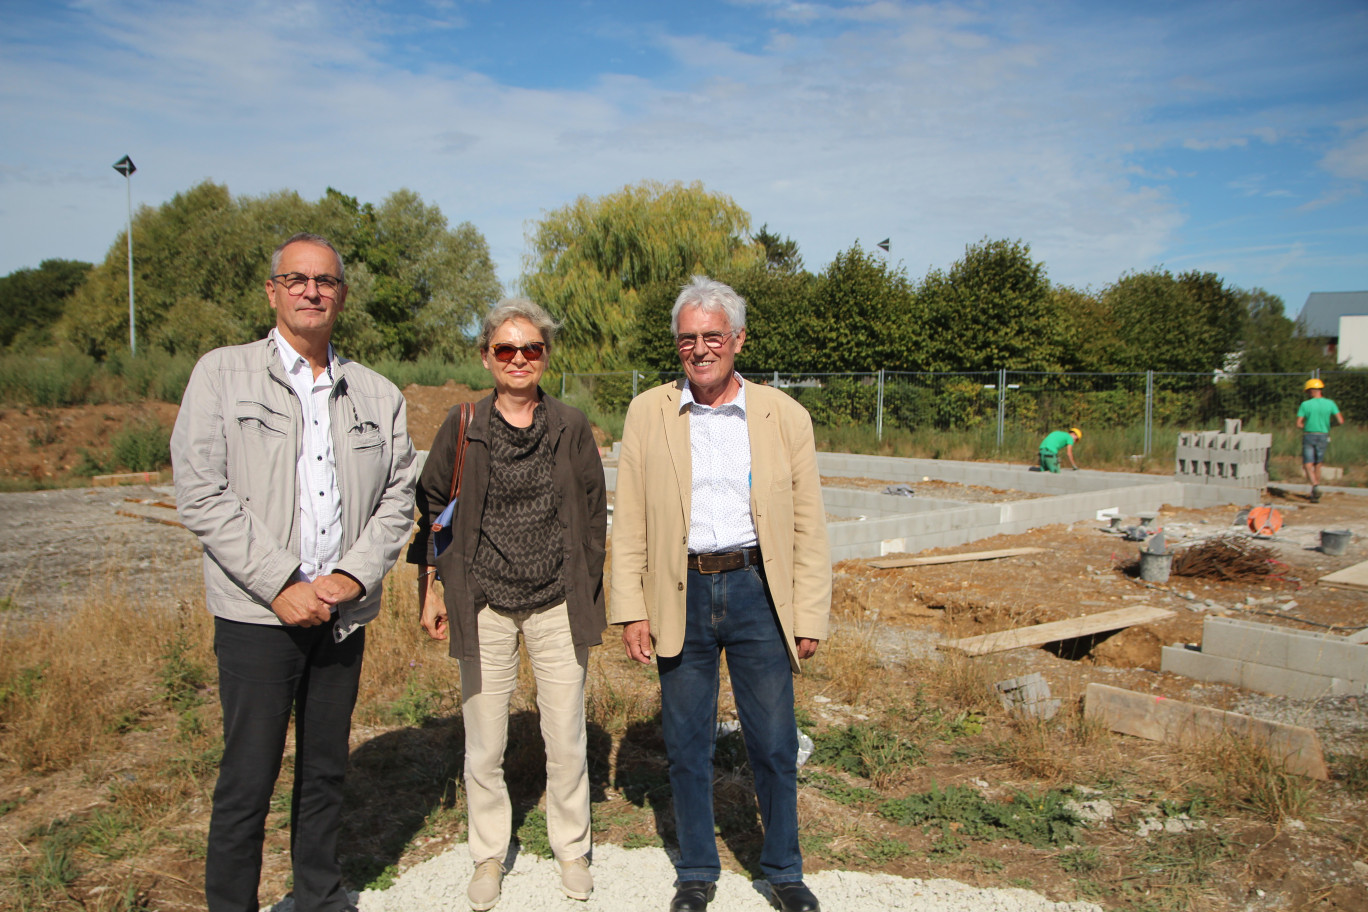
(1317, 413)
(1056, 441)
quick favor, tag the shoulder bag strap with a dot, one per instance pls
(467, 414)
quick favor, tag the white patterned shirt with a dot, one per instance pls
(719, 446)
(320, 505)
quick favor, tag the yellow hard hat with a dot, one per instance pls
(1314, 384)
(1077, 433)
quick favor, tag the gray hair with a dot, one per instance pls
(710, 296)
(305, 237)
(518, 309)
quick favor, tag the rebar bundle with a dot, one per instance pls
(1227, 558)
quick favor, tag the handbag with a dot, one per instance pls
(441, 526)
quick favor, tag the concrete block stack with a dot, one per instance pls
(1229, 457)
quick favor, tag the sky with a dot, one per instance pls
(1225, 136)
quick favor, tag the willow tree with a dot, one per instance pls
(592, 260)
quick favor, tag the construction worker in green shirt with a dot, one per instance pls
(1313, 417)
(1053, 443)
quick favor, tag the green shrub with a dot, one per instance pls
(143, 446)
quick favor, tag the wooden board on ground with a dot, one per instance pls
(1355, 577)
(952, 558)
(1157, 718)
(1040, 634)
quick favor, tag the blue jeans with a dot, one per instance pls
(1313, 448)
(731, 611)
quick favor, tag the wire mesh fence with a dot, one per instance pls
(1006, 404)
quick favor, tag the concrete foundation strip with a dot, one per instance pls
(953, 558)
(1040, 634)
(1157, 718)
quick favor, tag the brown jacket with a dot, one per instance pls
(582, 507)
(652, 504)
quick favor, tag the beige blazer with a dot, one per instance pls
(651, 516)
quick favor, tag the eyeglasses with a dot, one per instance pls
(687, 341)
(506, 352)
(297, 282)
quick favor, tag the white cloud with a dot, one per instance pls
(935, 125)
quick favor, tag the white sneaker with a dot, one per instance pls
(576, 880)
(483, 891)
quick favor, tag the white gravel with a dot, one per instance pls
(628, 880)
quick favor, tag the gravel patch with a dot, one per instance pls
(627, 880)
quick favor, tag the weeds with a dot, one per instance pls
(532, 836)
(1248, 777)
(869, 751)
(1039, 820)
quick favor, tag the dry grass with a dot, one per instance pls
(70, 687)
(108, 723)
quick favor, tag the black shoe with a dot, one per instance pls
(795, 897)
(693, 896)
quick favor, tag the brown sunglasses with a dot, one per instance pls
(506, 352)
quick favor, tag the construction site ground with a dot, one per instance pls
(55, 544)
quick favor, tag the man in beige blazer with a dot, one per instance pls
(719, 544)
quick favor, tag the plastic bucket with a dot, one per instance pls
(1155, 566)
(1334, 541)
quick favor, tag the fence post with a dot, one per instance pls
(562, 395)
(1149, 412)
(878, 417)
(634, 382)
(1002, 404)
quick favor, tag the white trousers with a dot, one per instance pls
(486, 688)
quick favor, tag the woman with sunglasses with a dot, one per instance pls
(526, 558)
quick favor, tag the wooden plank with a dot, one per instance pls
(1158, 718)
(151, 519)
(127, 478)
(1355, 577)
(1054, 631)
(952, 558)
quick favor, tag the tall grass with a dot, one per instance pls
(429, 371)
(63, 378)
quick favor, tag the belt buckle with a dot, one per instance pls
(708, 572)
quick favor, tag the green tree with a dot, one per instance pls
(32, 300)
(993, 309)
(1186, 324)
(201, 261)
(592, 259)
(860, 317)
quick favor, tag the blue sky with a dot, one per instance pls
(1229, 137)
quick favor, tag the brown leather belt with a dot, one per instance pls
(721, 561)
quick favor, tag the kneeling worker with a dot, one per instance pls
(1053, 443)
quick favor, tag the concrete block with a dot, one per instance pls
(1285, 682)
(1297, 650)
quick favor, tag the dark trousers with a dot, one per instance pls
(264, 673)
(731, 612)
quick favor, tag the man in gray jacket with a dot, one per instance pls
(294, 468)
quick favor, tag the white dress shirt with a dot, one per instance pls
(719, 446)
(320, 506)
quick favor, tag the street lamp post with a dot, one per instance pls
(125, 167)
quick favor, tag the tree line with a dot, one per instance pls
(609, 268)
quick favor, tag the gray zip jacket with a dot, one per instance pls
(234, 451)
